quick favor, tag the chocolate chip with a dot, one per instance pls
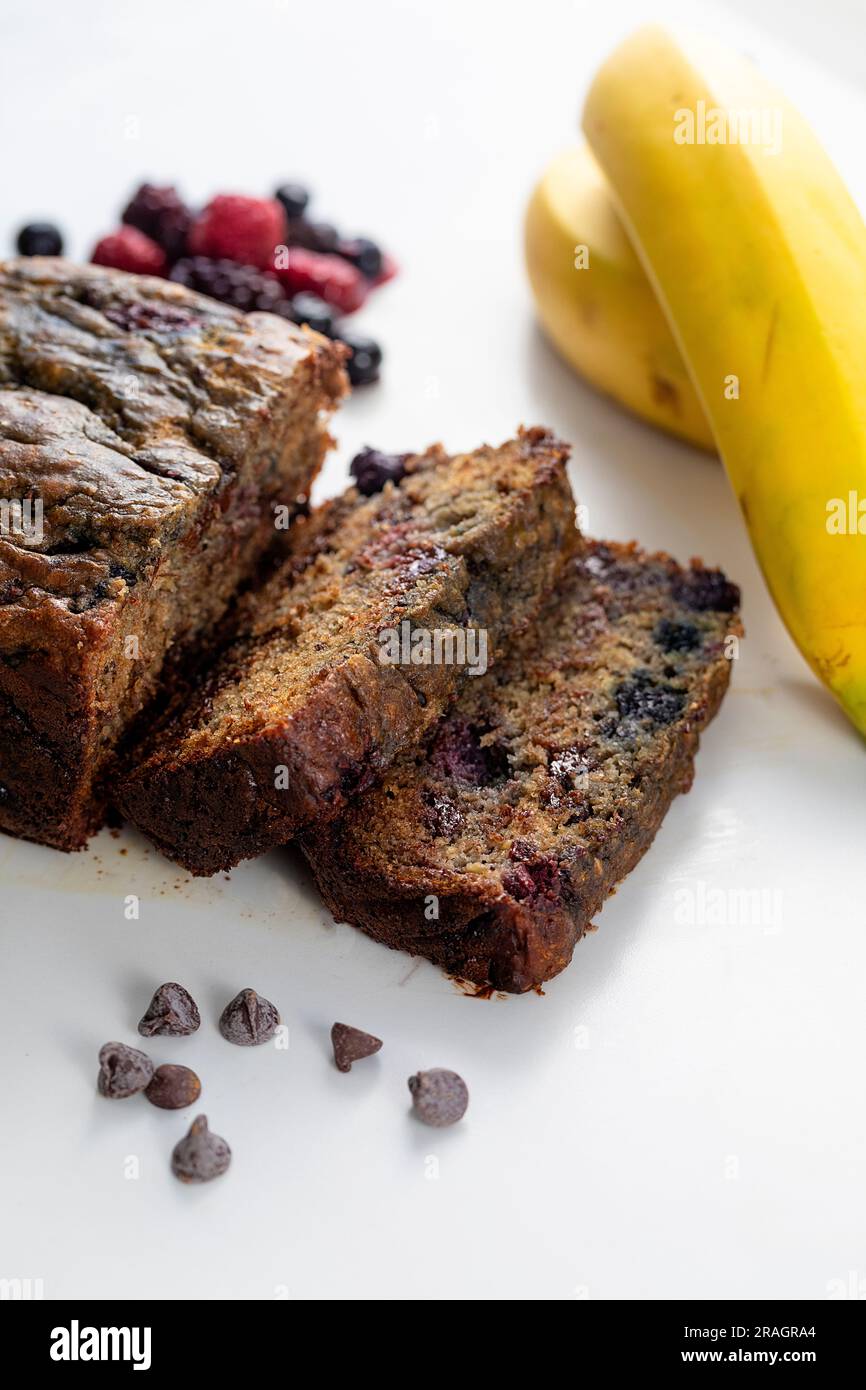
(641, 697)
(440, 1097)
(351, 1044)
(123, 1071)
(173, 1087)
(200, 1155)
(372, 469)
(249, 1019)
(171, 1013)
(674, 636)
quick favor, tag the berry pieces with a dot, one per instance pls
(363, 366)
(372, 469)
(249, 1020)
(313, 311)
(241, 229)
(171, 1013)
(242, 286)
(294, 199)
(39, 239)
(171, 1087)
(123, 1071)
(129, 249)
(200, 1156)
(332, 279)
(363, 253)
(351, 1045)
(439, 1097)
(162, 215)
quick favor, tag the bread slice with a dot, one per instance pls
(490, 850)
(313, 701)
(147, 435)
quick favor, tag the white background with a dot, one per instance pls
(708, 1138)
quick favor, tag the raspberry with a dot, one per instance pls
(332, 279)
(388, 271)
(162, 215)
(242, 286)
(240, 229)
(129, 249)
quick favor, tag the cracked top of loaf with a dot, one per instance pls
(126, 406)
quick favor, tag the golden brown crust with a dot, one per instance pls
(156, 430)
(547, 783)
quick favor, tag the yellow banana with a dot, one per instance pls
(602, 313)
(758, 255)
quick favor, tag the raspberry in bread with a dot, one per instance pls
(146, 436)
(315, 698)
(490, 850)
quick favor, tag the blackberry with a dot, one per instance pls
(39, 239)
(674, 636)
(310, 309)
(363, 366)
(294, 198)
(162, 215)
(242, 286)
(313, 236)
(706, 591)
(363, 253)
(459, 754)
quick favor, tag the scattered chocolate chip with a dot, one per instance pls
(440, 1097)
(249, 1019)
(200, 1155)
(171, 1013)
(173, 1087)
(123, 1071)
(351, 1044)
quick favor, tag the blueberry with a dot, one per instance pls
(310, 309)
(372, 469)
(674, 636)
(363, 253)
(641, 697)
(294, 198)
(40, 239)
(363, 366)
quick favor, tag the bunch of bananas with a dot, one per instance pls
(704, 263)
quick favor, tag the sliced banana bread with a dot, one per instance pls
(355, 648)
(146, 436)
(490, 850)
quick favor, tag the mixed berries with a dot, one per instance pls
(257, 254)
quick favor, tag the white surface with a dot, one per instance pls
(681, 1113)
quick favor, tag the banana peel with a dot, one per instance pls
(758, 256)
(596, 304)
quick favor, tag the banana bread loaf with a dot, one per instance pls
(146, 436)
(490, 850)
(355, 648)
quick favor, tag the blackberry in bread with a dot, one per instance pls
(489, 849)
(321, 689)
(146, 436)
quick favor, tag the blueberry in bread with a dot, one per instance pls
(490, 849)
(146, 436)
(307, 706)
